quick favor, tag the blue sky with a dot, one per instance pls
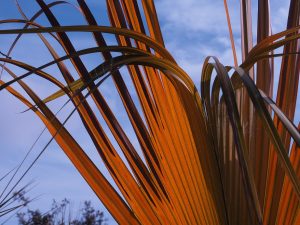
(192, 29)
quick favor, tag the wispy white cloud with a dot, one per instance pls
(279, 15)
(194, 15)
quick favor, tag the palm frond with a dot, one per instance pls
(218, 156)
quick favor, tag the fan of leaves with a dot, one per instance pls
(12, 198)
(219, 156)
